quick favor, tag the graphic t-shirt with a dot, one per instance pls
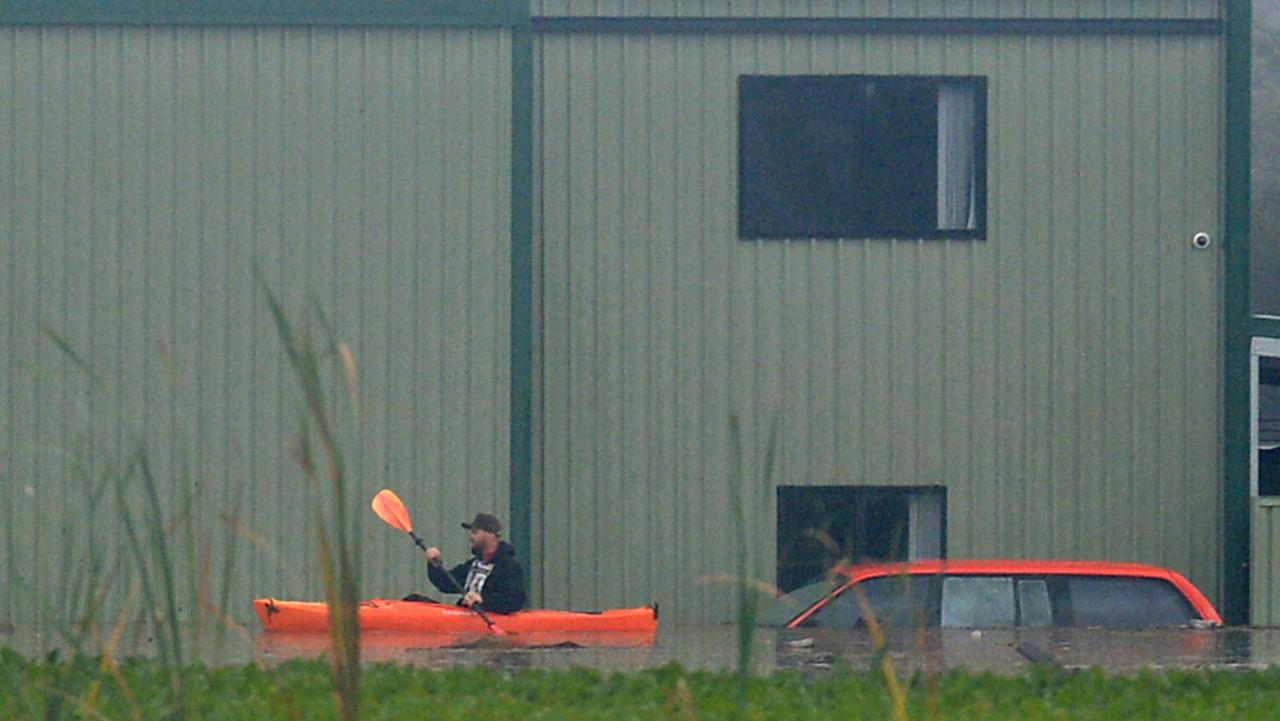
(477, 575)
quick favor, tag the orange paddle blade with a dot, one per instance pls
(391, 509)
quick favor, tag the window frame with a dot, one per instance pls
(863, 232)
(1013, 600)
(1020, 605)
(1260, 347)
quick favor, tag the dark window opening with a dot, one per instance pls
(822, 526)
(1268, 441)
(848, 156)
(1269, 471)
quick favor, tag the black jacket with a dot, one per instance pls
(500, 582)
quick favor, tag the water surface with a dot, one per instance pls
(714, 647)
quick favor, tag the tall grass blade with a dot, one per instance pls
(190, 554)
(681, 701)
(349, 369)
(76, 359)
(69, 581)
(748, 598)
(148, 545)
(134, 542)
(341, 578)
(745, 604)
(160, 547)
(108, 662)
(228, 566)
(887, 669)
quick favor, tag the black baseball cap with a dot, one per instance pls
(484, 522)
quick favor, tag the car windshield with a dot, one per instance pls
(897, 601)
(793, 604)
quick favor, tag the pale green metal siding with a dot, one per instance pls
(143, 171)
(1099, 9)
(1265, 591)
(1059, 378)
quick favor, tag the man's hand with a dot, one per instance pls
(433, 556)
(472, 599)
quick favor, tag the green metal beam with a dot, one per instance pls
(522, 380)
(1235, 593)
(878, 26)
(469, 13)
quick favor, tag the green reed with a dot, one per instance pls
(127, 545)
(319, 456)
(747, 605)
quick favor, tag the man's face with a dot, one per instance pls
(479, 540)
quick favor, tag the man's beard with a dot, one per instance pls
(477, 548)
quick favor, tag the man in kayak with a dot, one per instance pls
(492, 580)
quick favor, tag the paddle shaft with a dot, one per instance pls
(417, 540)
(456, 587)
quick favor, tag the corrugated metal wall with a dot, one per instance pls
(143, 171)
(1265, 591)
(1060, 377)
(882, 8)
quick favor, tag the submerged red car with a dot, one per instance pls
(997, 594)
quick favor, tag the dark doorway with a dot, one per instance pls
(820, 526)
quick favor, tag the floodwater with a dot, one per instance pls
(714, 647)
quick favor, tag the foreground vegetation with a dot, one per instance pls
(85, 688)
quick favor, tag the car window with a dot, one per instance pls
(897, 601)
(1119, 602)
(798, 601)
(977, 601)
(1033, 603)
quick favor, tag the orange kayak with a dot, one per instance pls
(439, 618)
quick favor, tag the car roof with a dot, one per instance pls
(1006, 567)
(1011, 567)
(1022, 566)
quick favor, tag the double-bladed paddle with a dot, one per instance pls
(392, 510)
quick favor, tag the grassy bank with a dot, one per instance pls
(303, 690)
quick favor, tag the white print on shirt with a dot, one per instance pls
(477, 575)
